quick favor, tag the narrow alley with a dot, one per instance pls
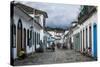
(50, 57)
(47, 36)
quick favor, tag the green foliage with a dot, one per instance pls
(84, 11)
(21, 54)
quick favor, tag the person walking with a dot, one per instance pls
(53, 46)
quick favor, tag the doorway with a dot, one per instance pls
(24, 39)
(19, 36)
(95, 40)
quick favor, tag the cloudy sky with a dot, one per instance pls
(59, 15)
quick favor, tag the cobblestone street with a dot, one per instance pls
(49, 57)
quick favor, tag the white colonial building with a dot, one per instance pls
(27, 28)
(85, 33)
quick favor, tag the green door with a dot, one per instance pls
(77, 42)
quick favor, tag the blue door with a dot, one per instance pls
(95, 40)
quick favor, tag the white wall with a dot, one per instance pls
(52, 33)
(25, 24)
(41, 35)
(41, 20)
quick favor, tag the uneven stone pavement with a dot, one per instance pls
(49, 57)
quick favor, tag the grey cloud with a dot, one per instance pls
(59, 15)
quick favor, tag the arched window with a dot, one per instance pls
(19, 24)
(14, 35)
(86, 38)
(30, 34)
(28, 37)
(90, 37)
(81, 40)
(35, 38)
(24, 38)
(39, 37)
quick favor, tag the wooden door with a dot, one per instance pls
(19, 36)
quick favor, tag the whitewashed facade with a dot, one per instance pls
(26, 23)
(84, 36)
(85, 42)
(26, 30)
